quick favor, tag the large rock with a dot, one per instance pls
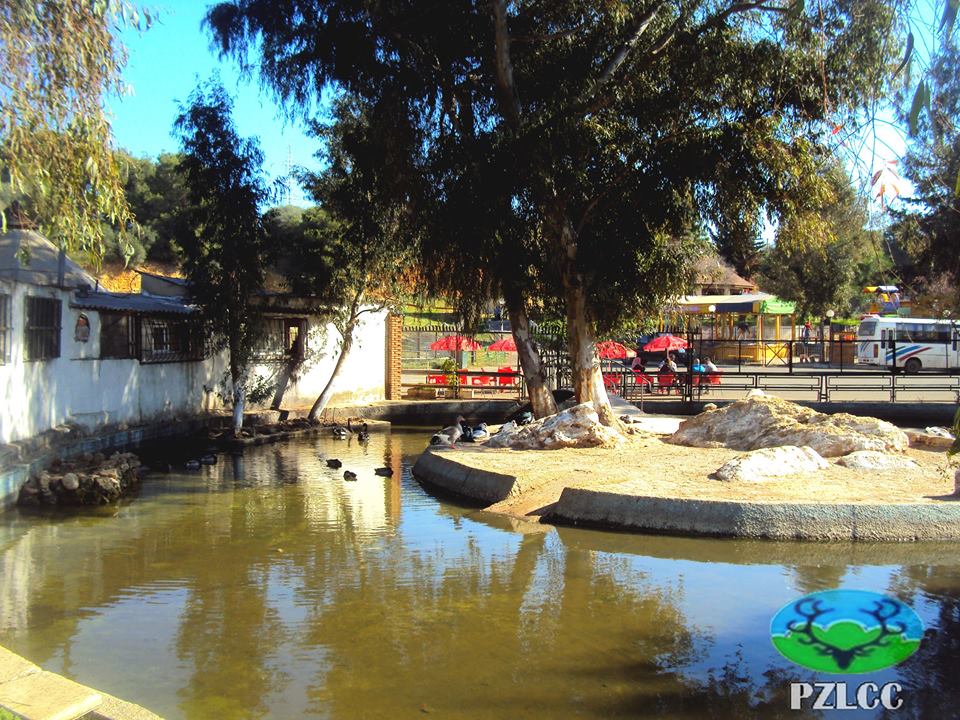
(761, 422)
(759, 465)
(578, 426)
(873, 460)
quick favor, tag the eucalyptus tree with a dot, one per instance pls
(353, 252)
(59, 62)
(224, 259)
(631, 128)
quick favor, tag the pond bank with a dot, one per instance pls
(651, 486)
(31, 692)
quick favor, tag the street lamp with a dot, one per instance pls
(713, 322)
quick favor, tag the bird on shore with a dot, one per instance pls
(449, 435)
(349, 475)
(383, 471)
(334, 463)
(480, 432)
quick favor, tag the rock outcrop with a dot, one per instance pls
(90, 480)
(873, 460)
(765, 421)
(759, 465)
(578, 426)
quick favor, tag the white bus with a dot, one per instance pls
(909, 344)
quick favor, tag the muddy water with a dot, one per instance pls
(267, 586)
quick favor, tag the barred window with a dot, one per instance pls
(4, 328)
(42, 330)
(171, 340)
(118, 335)
(280, 339)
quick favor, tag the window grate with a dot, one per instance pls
(42, 329)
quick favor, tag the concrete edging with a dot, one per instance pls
(445, 473)
(770, 521)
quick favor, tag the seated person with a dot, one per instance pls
(637, 364)
(668, 365)
(708, 364)
(698, 367)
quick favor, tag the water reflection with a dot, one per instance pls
(268, 586)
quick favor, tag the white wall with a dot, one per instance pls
(363, 377)
(79, 387)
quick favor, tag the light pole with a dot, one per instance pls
(830, 315)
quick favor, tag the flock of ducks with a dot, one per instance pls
(362, 434)
(460, 432)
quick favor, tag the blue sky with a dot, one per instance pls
(164, 66)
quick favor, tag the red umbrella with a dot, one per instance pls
(504, 344)
(612, 350)
(455, 342)
(665, 343)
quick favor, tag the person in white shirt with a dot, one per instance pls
(708, 364)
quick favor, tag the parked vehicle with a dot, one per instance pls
(908, 344)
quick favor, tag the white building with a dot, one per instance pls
(70, 353)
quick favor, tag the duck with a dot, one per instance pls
(210, 459)
(480, 432)
(349, 475)
(340, 432)
(364, 434)
(334, 463)
(467, 435)
(383, 471)
(449, 435)
(525, 418)
(192, 464)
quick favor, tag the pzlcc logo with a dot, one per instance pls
(846, 632)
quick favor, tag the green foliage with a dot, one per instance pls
(845, 635)
(824, 255)
(225, 257)
(59, 63)
(581, 150)
(955, 448)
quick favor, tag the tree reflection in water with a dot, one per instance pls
(267, 586)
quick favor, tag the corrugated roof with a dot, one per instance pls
(182, 282)
(132, 302)
(44, 261)
(711, 270)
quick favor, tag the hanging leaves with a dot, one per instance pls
(59, 62)
(907, 54)
(921, 99)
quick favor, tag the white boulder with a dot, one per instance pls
(873, 460)
(760, 465)
(578, 426)
(766, 421)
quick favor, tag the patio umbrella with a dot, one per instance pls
(504, 344)
(612, 350)
(665, 343)
(454, 343)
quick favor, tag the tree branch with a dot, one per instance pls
(621, 55)
(506, 90)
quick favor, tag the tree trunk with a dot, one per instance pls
(531, 363)
(585, 365)
(238, 378)
(239, 402)
(321, 403)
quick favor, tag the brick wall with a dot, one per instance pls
(394, 357)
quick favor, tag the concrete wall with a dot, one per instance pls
(81, 388)
(363, 377)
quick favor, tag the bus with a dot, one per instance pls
(908, 344)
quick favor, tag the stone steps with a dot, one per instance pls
(35, 694)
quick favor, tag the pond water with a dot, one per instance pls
(267, 586)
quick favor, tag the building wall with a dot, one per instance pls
(362, 378)
(79, 387)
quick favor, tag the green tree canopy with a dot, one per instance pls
(59, 61)
(621, 131)
(226, 256)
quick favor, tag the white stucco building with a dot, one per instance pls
(71, 353)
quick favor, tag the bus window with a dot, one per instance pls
(868, 329)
